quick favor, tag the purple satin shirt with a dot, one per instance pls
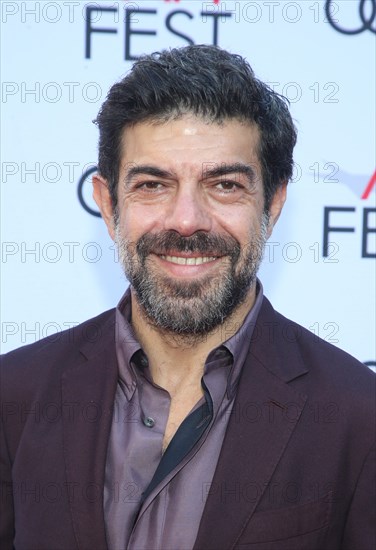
(169, 517)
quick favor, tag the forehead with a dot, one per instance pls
(189, 141)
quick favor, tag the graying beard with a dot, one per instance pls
(187, 327)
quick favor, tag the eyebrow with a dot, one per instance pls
(148, 170)
(225, 169)
(209, 172)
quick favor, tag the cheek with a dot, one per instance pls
(136, 220)
(239, 222)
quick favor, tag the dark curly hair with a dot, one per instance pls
(206, 81)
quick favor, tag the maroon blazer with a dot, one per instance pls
(296, 470)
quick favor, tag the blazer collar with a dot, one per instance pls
(276, 344)
(265, 414)
(88, 390)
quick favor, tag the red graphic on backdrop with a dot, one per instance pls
(370, 185)
(361, 185)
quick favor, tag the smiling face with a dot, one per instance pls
(191, 225)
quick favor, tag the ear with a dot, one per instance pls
(276, 206)
(102, 197)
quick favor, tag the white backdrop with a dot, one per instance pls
(59, 59)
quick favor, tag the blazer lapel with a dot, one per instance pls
(88, 390)
(266, 411)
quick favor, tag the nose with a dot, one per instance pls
(188, 213)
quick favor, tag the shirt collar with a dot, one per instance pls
(126, 344)
(237, 345)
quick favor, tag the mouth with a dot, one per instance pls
(182, 260)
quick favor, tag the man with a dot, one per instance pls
(193, 415)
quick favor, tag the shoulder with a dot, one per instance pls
(338, 390)
(54, 353)
(314, 349)
(317, 364)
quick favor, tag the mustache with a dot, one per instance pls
(206, 244)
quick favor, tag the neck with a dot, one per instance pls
(177, 361)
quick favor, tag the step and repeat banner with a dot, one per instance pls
(59, 266)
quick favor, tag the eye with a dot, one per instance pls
(150, 186)
(228, 186)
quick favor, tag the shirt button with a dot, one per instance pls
(149, 421)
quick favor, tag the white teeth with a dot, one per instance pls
(189, 261)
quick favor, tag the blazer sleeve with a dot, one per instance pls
(360, 527)
(6, 492)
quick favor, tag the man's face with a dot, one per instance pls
(191, 226)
